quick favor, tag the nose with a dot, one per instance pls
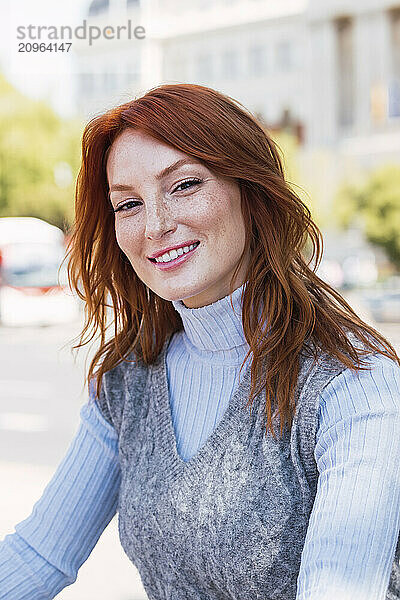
(159, 221)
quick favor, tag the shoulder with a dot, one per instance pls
(361, 394)
(379, 383)
(124, 382)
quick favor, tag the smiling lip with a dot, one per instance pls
(161, 252)
(175, 262)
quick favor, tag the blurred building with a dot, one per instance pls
(252, 50)
(108, 68)
(355, 78)
(328, 71)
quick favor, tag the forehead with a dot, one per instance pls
(136, 149)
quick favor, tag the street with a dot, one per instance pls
(42, 389)
(41, 392)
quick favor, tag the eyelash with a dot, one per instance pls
(193, 181)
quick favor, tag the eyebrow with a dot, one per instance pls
(120, 187)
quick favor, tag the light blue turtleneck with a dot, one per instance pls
(355, 520)
(203, 363)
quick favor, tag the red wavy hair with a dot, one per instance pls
(281, 285)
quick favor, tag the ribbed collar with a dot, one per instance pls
(215, 327)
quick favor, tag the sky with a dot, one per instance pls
(42, 75)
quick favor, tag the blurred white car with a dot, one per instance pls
(32, 289)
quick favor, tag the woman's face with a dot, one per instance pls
(160, 204)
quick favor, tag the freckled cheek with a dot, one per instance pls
(127, 239)
(198, 215)
(210, 212)
(230, 238)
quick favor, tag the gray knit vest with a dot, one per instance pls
(230, 523)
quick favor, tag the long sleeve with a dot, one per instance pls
(355, 520)
(44, 554)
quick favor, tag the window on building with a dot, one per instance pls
(257, 60)
(230, 67)
(97, 7)
(394, 82)
(204, 67)
(345, 71)
(132, 3)
(284, 56)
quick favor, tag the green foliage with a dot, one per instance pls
(39, 159)
(376, 206)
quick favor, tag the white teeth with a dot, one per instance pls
(168, 256)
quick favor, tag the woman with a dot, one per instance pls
(242, 419)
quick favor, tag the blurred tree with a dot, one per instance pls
(290, 153)
(375, 205)
(39, 159)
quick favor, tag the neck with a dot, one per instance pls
(215, 330)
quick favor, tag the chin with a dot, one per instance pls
(167, 294)
(177, 294)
